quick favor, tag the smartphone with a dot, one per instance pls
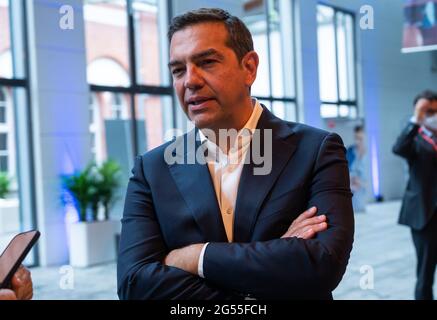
(14, 254)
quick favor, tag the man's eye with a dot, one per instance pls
(177, 71)
(207, 62)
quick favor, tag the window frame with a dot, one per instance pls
(352, 103)
(272, 98)
(28, 219)
(135, 88)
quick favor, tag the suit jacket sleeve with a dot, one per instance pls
(140, 271)
(405, 144)
(292, 267)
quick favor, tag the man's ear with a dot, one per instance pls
(250, 64)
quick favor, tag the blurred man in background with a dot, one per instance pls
(418, 145)
(355, 156)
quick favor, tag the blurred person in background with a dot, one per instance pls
(418, 145)
(355, 156)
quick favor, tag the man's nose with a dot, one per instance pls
(193, 79)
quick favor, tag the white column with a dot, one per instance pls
(60, 115)
(307, 73)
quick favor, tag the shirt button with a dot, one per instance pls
(229, 211)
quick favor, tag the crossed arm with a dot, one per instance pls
(306, 226)
(147, 271)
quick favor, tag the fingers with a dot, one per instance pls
(307, 214)
(312, 230)
(299, 226)
(22, 284)
(16, 281)
(29, 294)
(311, 221)
(307, 232)
(306, 225)
(6, 294)
(20, 277)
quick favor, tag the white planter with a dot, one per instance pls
(9, 216)
(93, 243)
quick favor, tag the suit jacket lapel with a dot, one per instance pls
(253, 189)
(196, 187)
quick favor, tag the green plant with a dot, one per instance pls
(95, 180)
(5, 183)
(93, 186)
(109, 172)
(81, 188)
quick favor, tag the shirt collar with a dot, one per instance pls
(429, 133)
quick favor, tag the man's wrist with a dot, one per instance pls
(186, 258)
(200, 262)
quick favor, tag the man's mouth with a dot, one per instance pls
(196, 104)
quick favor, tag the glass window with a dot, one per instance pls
(150, 42)
(346, 70)
(94, 126)
(282, 109)
(3, 142)
(7, 132)
(118, 105)
(5, 41)
(329, 111)
(281, 48)
(154, 120)
(3, 163)
(336, 58)
(110, 125)
(285, 110)
(112, 132)
(108, 72)
(271, 25)
(326, 54)
(12, 49)
(106, 35)
(10, 219)
(257, 25)
(2, 107)
(119, 88)
(16, 206)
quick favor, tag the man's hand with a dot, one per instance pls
(22, 288)
(6, 294)
(22, 284)
(186, 258)
(306, 225)
(421, 109)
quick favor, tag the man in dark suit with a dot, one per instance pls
(418, 145)
(219, 227)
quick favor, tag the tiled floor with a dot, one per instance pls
(381, 247)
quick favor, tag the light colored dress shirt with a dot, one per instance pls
(225, 170)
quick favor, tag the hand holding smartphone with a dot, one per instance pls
(14, 254)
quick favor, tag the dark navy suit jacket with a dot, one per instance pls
(172, 206)
(419, 204)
